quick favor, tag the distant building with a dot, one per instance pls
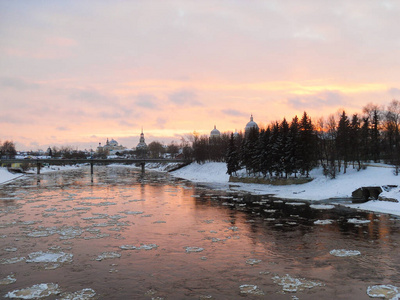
(111, 146)
(250, 125)
(215, 133)
(141, 148)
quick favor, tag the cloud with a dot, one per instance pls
(161, 123)
(394, 92)
(62, 128)
(234, 112)
(317, 101)
(147, 101)
(91, 95)
(184, 98)
(18, 83)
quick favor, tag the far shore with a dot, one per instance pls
(320, 188)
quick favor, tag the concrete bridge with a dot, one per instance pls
(60, 161)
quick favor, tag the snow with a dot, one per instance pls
(320, 188)
(6, 176)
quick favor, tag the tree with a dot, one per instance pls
(307, 145)
(173, 149)
(373, 113)
(232, 157)
(7, 150)
(355, 140)
(392, 126)
(156, 149)
(343, 140)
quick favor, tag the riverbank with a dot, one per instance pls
(319, 188)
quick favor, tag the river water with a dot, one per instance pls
(122, 235)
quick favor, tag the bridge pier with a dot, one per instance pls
(91, 168)
(38, 168)
(142, 165)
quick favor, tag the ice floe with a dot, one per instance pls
(293, 284)
(250, 289)
(193, 249)
(323, 222)
(41, 290)
(322, 206)
(8, 279)
(344, 252)
(357, 221)
(383, 291)
(253, 261)
(14, 260)
(47, 257)
(141, 247)
(108, 255)
(78, 295)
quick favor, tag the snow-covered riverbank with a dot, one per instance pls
(319, 189)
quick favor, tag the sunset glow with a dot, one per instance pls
(78, 72)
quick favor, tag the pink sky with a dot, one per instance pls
(76, 72)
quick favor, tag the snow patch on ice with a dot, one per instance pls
(108, 255)
(193, 249)
(323, 222)
(357, 221)
(383, 291)
(79, 295)
(46, 257)
(41, 290)
(250, 289)
(8, 279)
(344, 252)
(322, 206)
(293, 284)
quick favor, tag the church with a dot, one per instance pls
(111, 146)
(215, 133)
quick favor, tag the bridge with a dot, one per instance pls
(61, 161)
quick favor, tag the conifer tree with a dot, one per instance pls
(307, 143)
(232, 159)
(343, 140)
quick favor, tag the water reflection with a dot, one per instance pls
(162, 237)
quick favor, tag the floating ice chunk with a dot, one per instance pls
(13, 260)
(292, 284)
(322, 206)
(79, 295)
(133, 212)
(383, 291)
(323, 222)
(41, 290)
(295, 203)
(250, 289)
(270, 210)
(193, 249)
(344, 252)
(357, 221)
(8, 280)
(108, 255)
(253, 261)
(159, 222)
(141, 247)
(11, 249)
(46, 257)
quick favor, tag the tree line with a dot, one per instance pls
(289, 149)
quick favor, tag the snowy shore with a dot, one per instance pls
(320, 188)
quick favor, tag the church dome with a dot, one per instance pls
(215, 132)
(250, 125)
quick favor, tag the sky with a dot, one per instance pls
(74, 73)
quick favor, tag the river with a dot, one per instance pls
(122, 235)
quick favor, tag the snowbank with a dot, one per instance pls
(213, 172)
(319, 189)
(6, 176)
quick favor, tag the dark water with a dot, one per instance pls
(234, 240)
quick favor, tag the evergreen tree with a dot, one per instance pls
(307, 144)
(232, 158)
(343, 140)
(265, 152)
(355, 140)
(292, 160)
